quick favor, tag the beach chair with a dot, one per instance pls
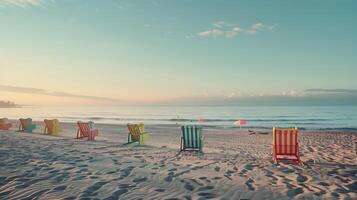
(192, 139)
(5, 124)
(26, 125)
(285, 145)
(137, 133)
(52, 127)
(85, 130)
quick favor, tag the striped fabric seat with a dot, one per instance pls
(137, 133)
(285, 144)
(26, 125)
(192, 138)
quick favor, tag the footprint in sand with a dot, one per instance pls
(116, 195)
(173, 169)
(352, 186)
(208, 195)
(68, 168)
(217, 169)
(90, 191)
(300, 178)
(160, 190)
(250, 184)
(126, 172)
(60, 178)
(83, 166)
(168, 178)
(139, 180)
(347, 180)
(60, 188)
(324, 184)
(125, 186)
(335, 194)
(205, 188)
(243, 173)
(250, 167)
(294, 192)
(189, 187)
(78, 178)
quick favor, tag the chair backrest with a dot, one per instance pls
(285, 141)
(84, 128)
(191, 135)
(52, 125)
(49, 124)
(135, 130)
(25, 122)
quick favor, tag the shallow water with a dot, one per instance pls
(304, 117)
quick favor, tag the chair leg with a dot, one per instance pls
(182, 145)
(201, 145)
(129, 138)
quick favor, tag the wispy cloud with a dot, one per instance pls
(25, 3)
(213, 32)
(37, 91)
(230, 30)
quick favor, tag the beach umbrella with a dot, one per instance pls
(240, 123)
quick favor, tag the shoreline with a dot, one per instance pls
(215, 127)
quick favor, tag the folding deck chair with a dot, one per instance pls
(285, 145)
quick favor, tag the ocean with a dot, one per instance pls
(303, 117)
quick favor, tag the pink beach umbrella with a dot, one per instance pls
(240, 123)
(201, 120)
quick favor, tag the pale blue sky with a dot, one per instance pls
(183, 49)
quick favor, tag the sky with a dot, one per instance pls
(177, 51)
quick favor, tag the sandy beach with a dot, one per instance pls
(235, 165)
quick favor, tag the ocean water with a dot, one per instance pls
(309, 117)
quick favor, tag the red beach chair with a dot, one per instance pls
(84, 130)
(285, 144)
(5, 124)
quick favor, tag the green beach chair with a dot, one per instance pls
(26, 125)
(192, 139)
(137, 133)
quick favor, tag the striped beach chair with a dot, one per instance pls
(52, 127)
(192, 139)
(137, 133)
(285, 144)
(5, 124)
(86, 131)
(26, 125)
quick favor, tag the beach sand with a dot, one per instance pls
(235, 165)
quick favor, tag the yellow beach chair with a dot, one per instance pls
(137, 133)
(52, 127)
